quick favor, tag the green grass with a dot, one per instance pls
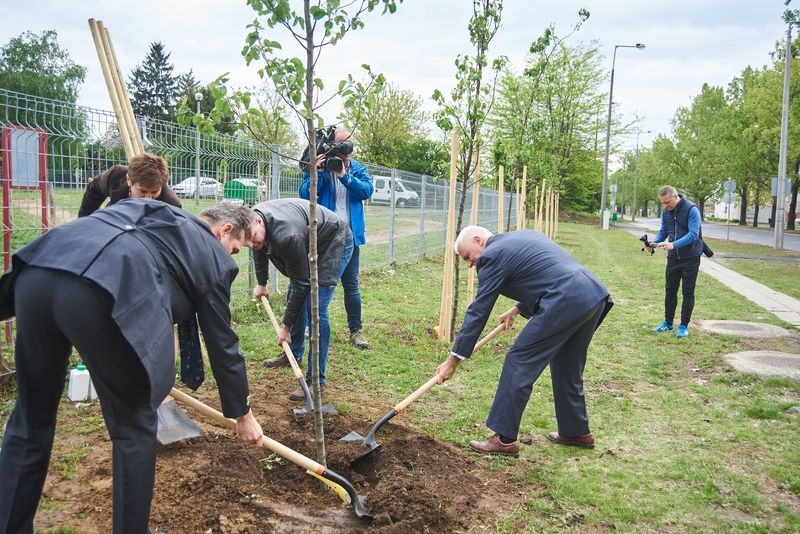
(684, 443)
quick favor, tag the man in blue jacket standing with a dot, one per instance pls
(564, 304)
(680, 221)
(343, 193)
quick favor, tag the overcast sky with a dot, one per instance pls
(688, 42)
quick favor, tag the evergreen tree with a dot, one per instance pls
(152, 86)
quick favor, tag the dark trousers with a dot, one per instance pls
(56, 311)
(535, 348)
(680, 272)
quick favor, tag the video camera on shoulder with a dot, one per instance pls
(648, 246)
(325, 140)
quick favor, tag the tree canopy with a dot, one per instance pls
(36, 64)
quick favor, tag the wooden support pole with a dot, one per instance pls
(540, 216)
(122, 89)
(517, 203)
(501, 184)
(546, 223)
(558, 208)
(445, 308)
(524, 218)
(112, 92)
(536, 208)
(473, 220)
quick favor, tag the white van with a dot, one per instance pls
(402, 195)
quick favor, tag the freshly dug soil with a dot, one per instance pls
(216, 484)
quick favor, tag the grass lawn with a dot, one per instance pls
(684, 443)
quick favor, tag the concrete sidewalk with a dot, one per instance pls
(783, 306)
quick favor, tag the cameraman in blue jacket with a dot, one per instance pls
(343, 192)
(680, 221)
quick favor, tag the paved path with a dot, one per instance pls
(783, 306)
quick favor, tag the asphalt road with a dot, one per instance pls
(743, 234)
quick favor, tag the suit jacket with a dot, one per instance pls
(161, 266)
(287, 223)
(112, 184)
(549, 285)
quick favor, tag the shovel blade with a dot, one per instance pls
(352, 436)
(174, 425)
(326, 408)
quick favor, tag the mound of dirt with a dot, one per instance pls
(216, 484)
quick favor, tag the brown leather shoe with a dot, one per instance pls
(495, 446)
(586, 441)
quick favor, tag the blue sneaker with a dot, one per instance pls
(683, 332)
(663, 327)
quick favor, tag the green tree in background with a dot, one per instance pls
(187, 87)
(541, 116)
(386, 122)
(271, 125)
(35, 64)
(153, 87)
(423, 156)
(694, 161)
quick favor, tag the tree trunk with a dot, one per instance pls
(755, 214)
(772, 214)
(743, 207)
(793, 205)
(319, 430)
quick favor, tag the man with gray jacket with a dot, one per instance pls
(280, 234)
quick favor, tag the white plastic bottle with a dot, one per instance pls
(79, 384)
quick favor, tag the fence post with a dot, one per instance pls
(392, 214)
(421, 253)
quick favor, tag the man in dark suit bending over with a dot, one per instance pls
(112, 285)
(564, 304)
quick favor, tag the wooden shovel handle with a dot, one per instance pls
(432, 382)
(269, 443)
(286, 349)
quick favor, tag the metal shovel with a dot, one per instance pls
(309, 406)
(343, 488)
(173, 424)
(368, 441)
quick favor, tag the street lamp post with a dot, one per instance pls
(636, 173)
(639, 46)
(779, 199)
(197, 96)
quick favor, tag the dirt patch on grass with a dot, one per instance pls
(214, 483)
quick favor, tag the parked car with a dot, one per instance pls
(402, 195)
(209, 187)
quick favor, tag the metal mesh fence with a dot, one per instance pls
(50, 149)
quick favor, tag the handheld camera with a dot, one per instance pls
(648, 246)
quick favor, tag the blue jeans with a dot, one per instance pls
(299, 327)
(352, 294)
